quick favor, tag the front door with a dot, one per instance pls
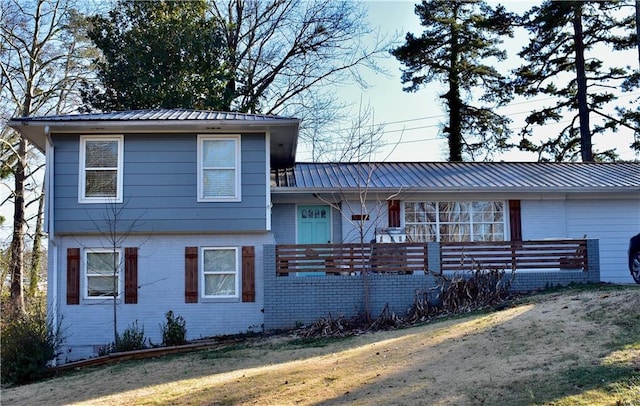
(314, 227)
(314, 224)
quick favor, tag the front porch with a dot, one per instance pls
(303, 283)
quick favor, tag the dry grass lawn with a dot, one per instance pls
(567, 348)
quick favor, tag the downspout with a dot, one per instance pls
(52, 260)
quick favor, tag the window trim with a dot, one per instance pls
(237, 168)
(202, 273)
(82, 197)
(505, 218)
(85, 273)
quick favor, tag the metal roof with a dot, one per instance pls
(283, 131)
(459, 176)
(157, 114)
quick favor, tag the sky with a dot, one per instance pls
(412, 121)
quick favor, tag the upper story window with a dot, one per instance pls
(102, 273)
(101, 169)
(220, 272)
(218, 168)
(455, 221)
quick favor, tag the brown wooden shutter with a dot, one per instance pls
(248, 274)
(131, 275)
(73, 276)
(393, 209)
(191, 275)
(515, 220)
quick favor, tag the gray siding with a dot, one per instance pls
(611, 221)
(160, 188)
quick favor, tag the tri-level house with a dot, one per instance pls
(208, 215)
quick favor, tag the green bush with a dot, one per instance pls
(130, 340)
(27, 343)
(174, 331)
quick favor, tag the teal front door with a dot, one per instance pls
(314, 224)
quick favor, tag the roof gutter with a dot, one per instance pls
(295, 190)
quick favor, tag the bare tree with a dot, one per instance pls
(283, 56)
(114, 231)
(40, 65)
(361, 206)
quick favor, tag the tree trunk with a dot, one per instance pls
(17, 241)
(36, 253)
(581, 79)
(638, 29)
(453, 98)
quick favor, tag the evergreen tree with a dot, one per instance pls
(630, 113)
(156, 54)
(459, 47)
(561, 64)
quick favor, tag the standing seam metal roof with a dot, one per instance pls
(159, 114)
(460, 175)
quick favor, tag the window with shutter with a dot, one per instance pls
(455, 221)
(220, 272)
(102, 273)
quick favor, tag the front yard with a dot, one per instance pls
(571, 347)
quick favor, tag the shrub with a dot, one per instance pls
(130, 340)
(174, 331)
(27, 343)
(474, 290)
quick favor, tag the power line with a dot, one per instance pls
(510, 114)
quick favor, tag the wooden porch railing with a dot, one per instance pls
(508, 255)
(344, 259)
(402, 258)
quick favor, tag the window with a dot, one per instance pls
(102, 273)
(218, 168)
(101, 169)
(219, 272)
(455, 221)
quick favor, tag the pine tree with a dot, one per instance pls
(459, 47)
(561, 64)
